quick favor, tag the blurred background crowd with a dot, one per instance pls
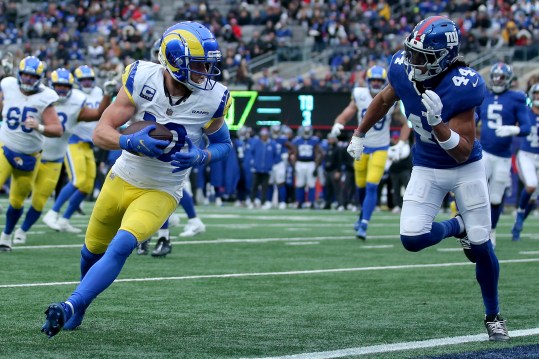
(271, 45)
(306, 45)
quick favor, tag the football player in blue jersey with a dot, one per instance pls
(308, 155)
(440, 93)
(278, 172)
(503, 114)
(528, 165)
(145, 184)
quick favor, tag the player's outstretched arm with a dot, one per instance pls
(88, 114)
(345, 116)
(118, 113)
(379, 107)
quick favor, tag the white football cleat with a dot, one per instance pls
(193, 227)
(5, 242)
(282, 205)
(174, 220)
(64, 226)
(19, 237)
(50, 219)
(267, 205)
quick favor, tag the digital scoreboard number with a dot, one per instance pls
(294, 109)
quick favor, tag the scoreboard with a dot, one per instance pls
(294, 109)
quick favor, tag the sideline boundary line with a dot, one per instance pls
(387, 348)
(267, 274)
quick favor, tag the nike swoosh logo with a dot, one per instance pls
(475, 83)
(141, 144)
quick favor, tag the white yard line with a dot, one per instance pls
(387, 348)
(268, 274)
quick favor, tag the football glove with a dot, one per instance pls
(355, 148)
(193, 157)
(336, 129)
(110, 87)
(142, 143)
(433, 104)
(399, 151)
(506, 131)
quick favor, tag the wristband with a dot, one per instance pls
(40, 128)
(451, 142)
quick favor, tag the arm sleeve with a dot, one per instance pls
(220, 144)
(523, 117)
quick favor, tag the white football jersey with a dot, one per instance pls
(144, 84)
(68, 111)
(378, 135)
(17, 107)
(85, 130)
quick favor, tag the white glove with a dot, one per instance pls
(506, 131)
(399, 151)
(355, 148)
(7, 66)
(110, 87)
(434, 106)
(336, 129)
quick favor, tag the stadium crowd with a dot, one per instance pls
(354, 35)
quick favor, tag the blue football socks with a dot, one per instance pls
(64, 196)
(12, 217)
(31, 217)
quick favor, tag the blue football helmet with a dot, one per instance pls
(190, 53)
(431, 47)
(532, 94)
(33, 67)
(501, 76)
(154, 55)
(85, 77)
(376, 73)
(62, 77)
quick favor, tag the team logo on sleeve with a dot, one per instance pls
(147, 93)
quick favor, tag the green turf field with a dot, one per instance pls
(270, 284)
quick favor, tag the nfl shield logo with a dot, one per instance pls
(169, 112)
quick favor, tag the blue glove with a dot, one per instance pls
(184, 160)
(142, 143)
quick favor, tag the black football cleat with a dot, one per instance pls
(143, 248)
(55, 320)
(465, 244)
(496, 329)
(162, 247)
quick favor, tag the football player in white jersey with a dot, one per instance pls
(145, 184)
(79, 159)
(28, 115)
(439, 93)
(194, 225)
(370, 169)
(528, 166)
(71, 109)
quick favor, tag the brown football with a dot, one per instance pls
(159, 133)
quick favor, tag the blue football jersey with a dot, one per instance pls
(305, 148)
(281, 140)
(460, 89)
(505, 109)
(531, 142)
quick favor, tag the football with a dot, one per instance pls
(159, 133)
